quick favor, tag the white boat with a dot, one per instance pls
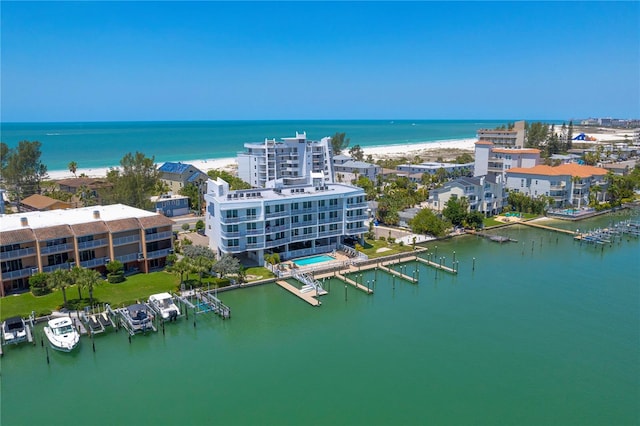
(164, 305)
(14, 330)
(61, 334)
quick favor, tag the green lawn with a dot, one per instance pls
(371, 247)
(136, 287)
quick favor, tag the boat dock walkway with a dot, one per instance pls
(349, 281)
(495, 238)
(307, 297)
(436, 265)
(548, 228)
(399, 274)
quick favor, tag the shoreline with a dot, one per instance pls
(230, 163)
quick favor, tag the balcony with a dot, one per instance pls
(330, 233)
(271, 215)
(352, 206)
(58, 248)
(331, 220)
(93, 263)
(14, 254)
(253, 246)
(356, 231)
(20, 273)
(329, 208)
(128, 257)
(158, 253)
(357, 217)
(158, 236)
(52, 268)
(254, 232)
(126, 240)
(230, 234)
(93, 243)
(272, 229)
(302, 211)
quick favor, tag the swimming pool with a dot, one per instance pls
(313, 259)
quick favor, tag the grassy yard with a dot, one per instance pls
(371, 248)
(136, 287)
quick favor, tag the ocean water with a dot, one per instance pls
(103, 144)
(542, 336)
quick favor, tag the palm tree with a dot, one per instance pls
(89, 278)
(75, 275)
(200, 265)
(73, 168)
(180, 267)
(60, 278)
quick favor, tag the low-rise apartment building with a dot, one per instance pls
(415, 171)
(290, 159)
(485, 194)
(178, 175)
(292, 221)
(89, 237)
(491, 160)
(566, 185)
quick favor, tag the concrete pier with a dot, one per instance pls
(355, 284)
(399, 274)
(436, 265)
(307, 297)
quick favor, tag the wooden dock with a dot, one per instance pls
(436, 265)
(307, 297)
(548, 228)
(353, 283)
(399, 274)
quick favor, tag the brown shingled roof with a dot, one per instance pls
(17, 236)
(121, 225)
(561, 170)
(51, 232)
(155, 221)
(90, 228)
(80, 181)
(42, 202)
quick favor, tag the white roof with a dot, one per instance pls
(160, 296)
(11, 222)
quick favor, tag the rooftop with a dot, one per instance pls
(289, 192)
(561, 170)
(177, 168)
(35, 220)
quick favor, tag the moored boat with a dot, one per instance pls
(61, 334)
(165, 306)
(14, 330)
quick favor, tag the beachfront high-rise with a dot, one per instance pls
(291, 159)
(89, 237)
(292, 221)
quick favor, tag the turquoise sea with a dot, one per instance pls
(543, 332)
(103, 144)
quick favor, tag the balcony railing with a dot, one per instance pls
(52, 268)
(158, 236)
(356, 218)
(158, 253)
(230, 234)
(302, 211)
(13, 254)
(356, 206)
(329, 208)
(126, 240)
(272, 229)
(94, 262)
(251, 246)
(93, 243)
(56, 248)
(277, 214)
(128, 257)
(254, 232)
(356, 231)
(330, 233)
(330, 220)
(20, 273)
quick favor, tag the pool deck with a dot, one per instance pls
(307, 297)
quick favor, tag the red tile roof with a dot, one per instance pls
(561, 170)
(516, 151)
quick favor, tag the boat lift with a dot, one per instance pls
(202, 302)
(122, 318)
(97, 322)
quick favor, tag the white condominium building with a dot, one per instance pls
(291, 159)
(513, 138)
(494, 161)
(292, 221)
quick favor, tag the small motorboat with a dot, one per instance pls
(14, 330)
(164, 305)
(139, 317)
(61, 334)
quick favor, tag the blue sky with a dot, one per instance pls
(92, 61)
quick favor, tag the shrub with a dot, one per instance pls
(391, 240)
(115, 278)
(401, 243)
(185, 226)
(115, 266)
(38, 284)
(382, 238)
(358, 247)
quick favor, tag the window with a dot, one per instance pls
(232, 214)
(333, 202)
(87, 255)
(234, 243)
(306, 218)
(251, 212)
(320, 216)
(321, 203)
(333, 215)
(252, 240)
(294, 206)
(232, 228)
(294, 219)
(252, 226)
(306, 205)
(333, 227)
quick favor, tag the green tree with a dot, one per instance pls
(537, 134)
(23, 171)
(89, 279)
(133, 182)
(115, 267)
(234, 182)
(227, 265)
(426, 222)
(180, 267)
(201, 265)
(356, 153)
(194, 251)
(456, 210)
(60, 279)
(193, 192)
(185, 226)
(464, 158)
(569, 144)
(200, 225)
(339, 142)
(73, 168)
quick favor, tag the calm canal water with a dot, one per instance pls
(533, 337)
